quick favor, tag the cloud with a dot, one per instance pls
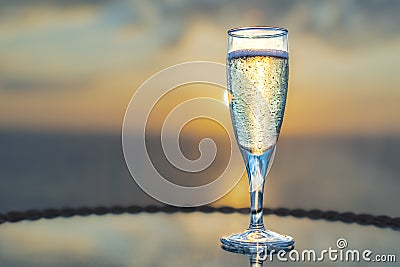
(54, 3)
(25, 83)
(80, 39)
(352, 22)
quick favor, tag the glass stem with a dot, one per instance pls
(256, 213)
(257, 166)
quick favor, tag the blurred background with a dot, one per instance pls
(69, 68)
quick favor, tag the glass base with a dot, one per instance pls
(252, 240)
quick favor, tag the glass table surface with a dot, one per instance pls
(184, 240)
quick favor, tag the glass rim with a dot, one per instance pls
(278, 32)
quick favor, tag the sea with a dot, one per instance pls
(55, 170)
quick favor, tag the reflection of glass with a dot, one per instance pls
(256, 256)
(257, 71)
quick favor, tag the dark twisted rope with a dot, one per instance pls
(346, 217)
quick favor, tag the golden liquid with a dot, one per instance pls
(257, 82)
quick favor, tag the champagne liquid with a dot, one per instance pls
(257, 83)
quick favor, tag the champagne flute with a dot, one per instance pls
(257, 73)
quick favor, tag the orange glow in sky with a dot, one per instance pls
(75, 67)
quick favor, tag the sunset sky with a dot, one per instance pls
(74, 65)
(69, 68)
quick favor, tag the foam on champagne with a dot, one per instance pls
(257, 82)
